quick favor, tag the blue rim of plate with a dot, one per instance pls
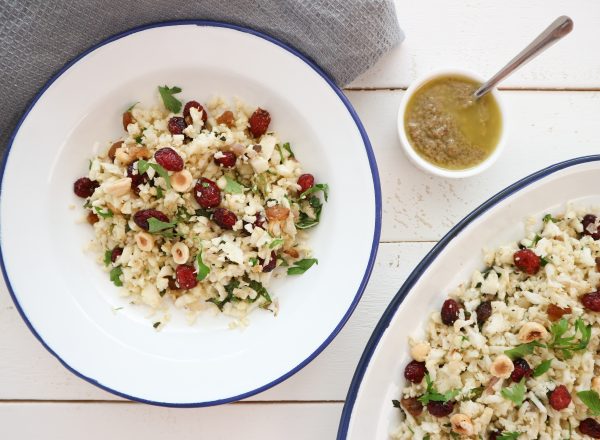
(376, 187)
(418, 271)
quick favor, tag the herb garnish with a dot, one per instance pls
(509, 436)
(516, 394)
(103, 213)
(287, 148)
(156, 324)
(171, 103)
(542, 368)
(302, 266)
(522, 350)
(107, 257)
(253, 261)
(544, 261)
(316, 188)
(259, 288)
(548, 218)
(159, 192)
(203, 269)
(131, 106)
(566, 344)
(115, 276)
(431, 394)
(276, 242)
(138, 139)
(535, 240)
(591, 400)
(233, 187)
(396, 403)
(143, 165)
(229, 288)
(304, 220)
(156, 226)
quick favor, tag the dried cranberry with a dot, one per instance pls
(176, 125)
(590, 427)
(306, 181)
(186, 276)
(450, 310)
(527, 261)
(555, 313)
(84, 187)
(440, 409)
(259, 122)
(484, 311)
(560, 398)
(116, 253)
(589, 226)
(226, 159)
(207, 193)
(591, 301)
(141, 217)
(494, 435)
(415, 371)
(169, 159)
(172, 283)
(136, 179)
(224, 218)
(271, 264)
(412, 406)
(197, 106)
(522, 369)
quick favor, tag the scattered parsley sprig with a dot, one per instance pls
(203, 269)
(144, 165)
(432, 394)
(591, 399)
(566, 345)
(302, 266)
(516, 394)
(171, 103)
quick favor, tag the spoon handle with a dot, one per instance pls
(558, 29)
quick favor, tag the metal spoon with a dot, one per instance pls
(558, 29)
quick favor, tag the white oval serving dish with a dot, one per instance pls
(368, 412)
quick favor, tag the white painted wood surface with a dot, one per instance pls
(546, 126)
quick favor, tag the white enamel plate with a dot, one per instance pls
(68, 301)
(368, 412)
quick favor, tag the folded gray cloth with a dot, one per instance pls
(37, 37)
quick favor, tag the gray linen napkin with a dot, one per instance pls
(37, 37)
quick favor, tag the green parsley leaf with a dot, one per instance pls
(131, 106)
(89, 164)
(591, 400)
(522, 349)
(544, 261)
(304, 220)
(201, 212)
(509, 435)
(107, 257)
(427, 437)
(535, 240)
(318, 187)
(542, 368)
(229, 288)
(287, 148)
(548, 218)
(475, 393)
(276, 242)
(454, 435)
(156, 324)
(159, 192)
(106, 213)
(262, 292)
(203, 269)
(138, 139)
(566, 345)
(170, 102)
(396, 403)
(516, 394)
(115, 276)
(302, 266)
(143, 165)
(253, 261)
(431, 394)
(233, 187)
(155, 225)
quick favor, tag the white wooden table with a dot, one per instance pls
(554, 106)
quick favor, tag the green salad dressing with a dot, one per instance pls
(448, 127)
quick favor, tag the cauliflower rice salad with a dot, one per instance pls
(200, 208)
(513, 353)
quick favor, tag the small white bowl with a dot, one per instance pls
(428, 166)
